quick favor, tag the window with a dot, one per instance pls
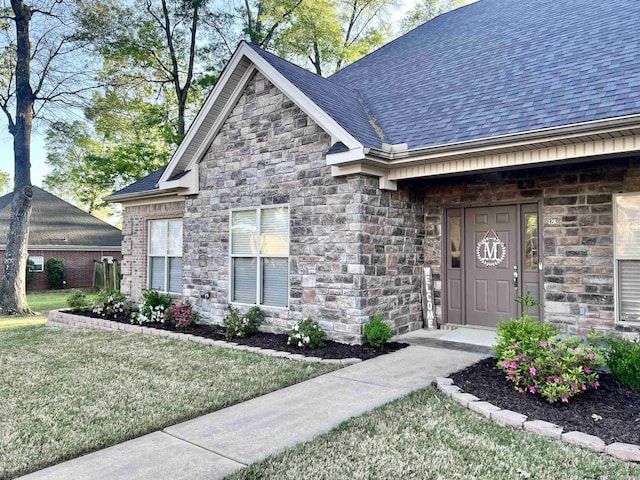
(38, 262)
(260, 256)
(627, 255)
(165, 255)
(531, 241)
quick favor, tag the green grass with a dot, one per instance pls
(67, 392)
(426, 436)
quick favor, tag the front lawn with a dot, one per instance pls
(68, 392)
(427, 436)
(40, 303)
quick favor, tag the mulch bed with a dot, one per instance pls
(331, 350)
(618, 406)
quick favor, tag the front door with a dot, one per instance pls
(491, 260)
(491, 257)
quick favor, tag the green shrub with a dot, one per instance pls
(623, 358)
(306, 334)
(152, 308)
(54, 269)
(111, 304)
(181, 316)
(77, 300)
(377, 332)
(525, 331)
(237, 325)
(31, 272)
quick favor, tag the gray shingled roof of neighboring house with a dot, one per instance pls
(491, 68)
(55, 222)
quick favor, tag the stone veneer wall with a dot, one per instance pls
(577, 251)
(354, 249)
(134, 242)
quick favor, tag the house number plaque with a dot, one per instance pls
(491, 251)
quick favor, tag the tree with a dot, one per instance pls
(23, 94)
(5, 182)
(425, 10)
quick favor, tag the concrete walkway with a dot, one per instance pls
(217, 444)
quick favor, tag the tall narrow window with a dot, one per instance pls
(627, 255)
(531, 241)
(165, 255)
(454, 233)
(260, 256)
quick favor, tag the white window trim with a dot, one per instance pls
(165, 256)
(258, 257)
(31, 257)
(616, 273)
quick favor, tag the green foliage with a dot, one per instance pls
(525, 331)
(152, 309)
(425, 10)
(526, 303)
(111, 304)
(5, 182)
(31, 271)
(77, 300)
(238, 325)
(377, 332)
(555, 369)
(181, 316)
(623, 358)
(306, 334)
(54, 270)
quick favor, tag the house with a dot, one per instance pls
(498, 145)
(59, 230)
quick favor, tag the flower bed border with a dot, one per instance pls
(627, 452)
(60, 318)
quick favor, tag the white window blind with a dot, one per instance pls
(165, 255)
(627, 253)
(260, 270)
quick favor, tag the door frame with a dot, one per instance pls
(446, 245)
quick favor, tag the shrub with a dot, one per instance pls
(77, 300)
(152, 308)
(555, 369)
(181, 316)
(54, 269)
(237, 325)
(110, 303)
(306, 334)
(31, 272)
(377, 332)
(623, 358)
(526, 332)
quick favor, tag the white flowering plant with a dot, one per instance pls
(152, 309)
(306, 334)
(111, 304)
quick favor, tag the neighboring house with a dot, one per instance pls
(498, 144)
(59, 230)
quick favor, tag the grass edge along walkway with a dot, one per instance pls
(69, 392)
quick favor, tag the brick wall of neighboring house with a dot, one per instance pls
(134, 242)
(78, 267)
(577, 246)
(354, 249)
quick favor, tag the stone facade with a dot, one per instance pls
(354, 250)
(134, 242)
(577, 231)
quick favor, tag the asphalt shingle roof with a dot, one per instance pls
(145, 184)
(56, 222)
(503, 66)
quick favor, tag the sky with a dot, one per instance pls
(39, 168)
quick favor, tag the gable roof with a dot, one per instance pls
(145, 184)
(498, 67)
(56, 223)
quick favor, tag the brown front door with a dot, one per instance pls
(491, 257)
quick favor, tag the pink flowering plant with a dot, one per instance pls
(181, 315)
(237, 324)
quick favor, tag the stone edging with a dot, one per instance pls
(622, 451)
(58, 318)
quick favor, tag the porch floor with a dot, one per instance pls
(466, 339)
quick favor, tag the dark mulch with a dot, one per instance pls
(331, 350)
(618, 406)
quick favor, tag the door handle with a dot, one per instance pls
(515, 277)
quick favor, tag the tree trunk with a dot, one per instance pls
(13, 294)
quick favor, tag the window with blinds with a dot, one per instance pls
(165, 255)
(260, 256)
(627, 255)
